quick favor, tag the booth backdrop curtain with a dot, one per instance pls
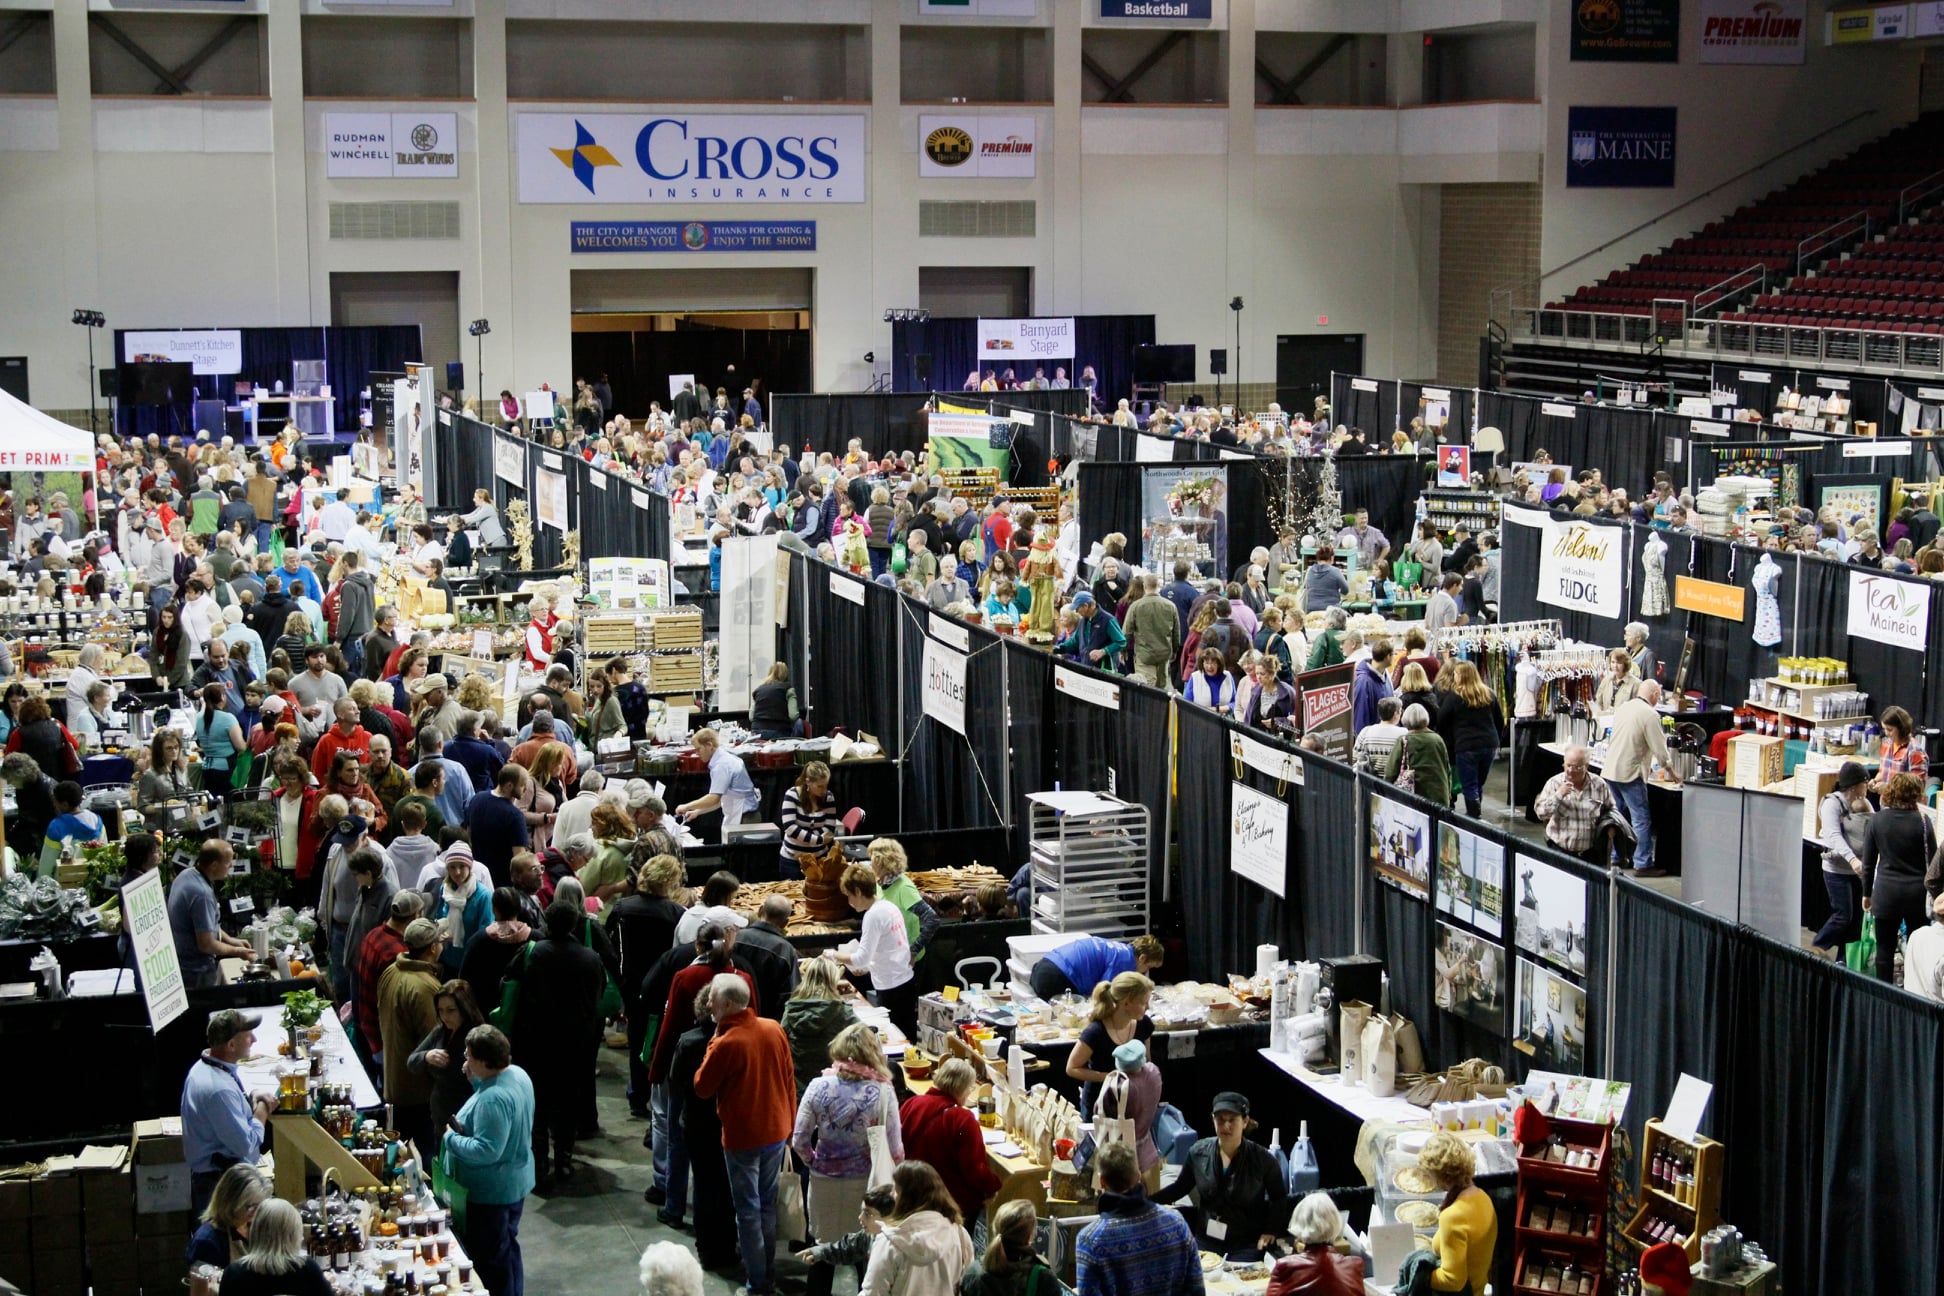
(1224, 915)
(1106, 342)
(464, 453)
(351, 353)
(1458, 427)
(1110, 501)
(1367, 403)
(1029, 692)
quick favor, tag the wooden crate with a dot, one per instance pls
(676, 629)
(610, 635)
(1695, 1216)
(672, 672)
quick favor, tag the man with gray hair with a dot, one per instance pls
(1574, 803)
(749, 1074)
(577, 815)
(763, 951)
(1637, 751)
(653, 835)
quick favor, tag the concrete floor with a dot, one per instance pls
(588, 1235)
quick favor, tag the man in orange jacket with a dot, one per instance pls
(748, 1072)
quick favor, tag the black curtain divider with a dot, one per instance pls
(1752, 386)
(1124, 750)
(893, 422)
(1110, 501)
(1367, 403)
(1518, 594)
(1726, 656)
(1387, 485)
(463, 451)
(1146, 769)
(1518, 418)
(838, 691)
(1029, 698)
(1105, 342)
(951, 781)
(1458, 427)
(1224, 915)
(1622, 442)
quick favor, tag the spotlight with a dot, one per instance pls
(906, 315)
(90, 318)
(479, 328)
(870, 357)
(1236, 304)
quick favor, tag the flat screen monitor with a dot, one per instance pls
(158, 382)
(1164, 364)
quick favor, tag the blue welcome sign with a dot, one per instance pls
(1620, 148)
(694, 236)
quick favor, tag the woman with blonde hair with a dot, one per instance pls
(224, 1230)
(1468, 722)
(920, 919)
(817, 1011)
(1010, 1266)
(276, 1264)
(1118, 1014)
(1467, 1224)
(642, 927)
(544, 792)
(476, 693)
(1414, 688)
(832, 1135)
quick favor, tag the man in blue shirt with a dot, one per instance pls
(299, 579)
(489, 1149)
(1182, 593)
(196, 917)
(730, 788)
(498, 826)
(455, 792)
(221, 1124)
(1080, 965)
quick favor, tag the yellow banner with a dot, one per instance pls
(1710, 598)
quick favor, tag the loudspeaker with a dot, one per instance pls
(455, 375)
(110, 380)
(13, 377)
(921, 368)
(1217, 360)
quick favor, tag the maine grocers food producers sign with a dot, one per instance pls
(594, 158)
(1889, 611)
(1583, 567)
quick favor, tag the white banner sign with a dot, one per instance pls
(1927, 19)
(1006, 340)
(964, 145)
(212, 351)
(1889, 610)
(982, 8)
(1754, 31)
(509, 464)
(391, 145)
(1583, 567)
(1559, 411)
(653, 158)
(962, 425)
(846, 588)
(1087, 689)
(1258, 838)
(747, 642)
(944, 685)
(145, 917)
(1874, 449)
(550, 499)
(946, 630)
(1284, 766)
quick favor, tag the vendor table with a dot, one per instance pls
(871, 785)
(260, 1069)
(1020, 1177)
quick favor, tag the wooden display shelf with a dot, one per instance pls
(1804, 717)
(1694, 1217)
(1554, 1185)
(299, 1144)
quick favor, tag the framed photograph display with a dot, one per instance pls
(1549, 920)
(1471, 879)
(1549, 1019)
(1469, 976)
(1400, 846)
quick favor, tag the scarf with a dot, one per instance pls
(456, 902)
(845, 1070)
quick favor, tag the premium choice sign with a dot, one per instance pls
(968, 147)
(1753, 31)
(1583, 567)
(593, 158)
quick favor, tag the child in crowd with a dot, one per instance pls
(70, 819)
(413, 853)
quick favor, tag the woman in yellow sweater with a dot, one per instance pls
(1467, 1224)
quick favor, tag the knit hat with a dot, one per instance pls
(1665, 1266)
(459, 849)
(1850, 775)
(1130, 1057)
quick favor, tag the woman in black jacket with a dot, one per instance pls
(1468, 722)
(1237, 1184)
(556, 1035)
(1895, 855)
(643, 925)
(442, 1053)
(45, 739)
(772, 705)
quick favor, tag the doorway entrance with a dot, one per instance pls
(1304, 362)
(727, 329)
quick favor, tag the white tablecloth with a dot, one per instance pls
(341, 1066)
(1355, 1099)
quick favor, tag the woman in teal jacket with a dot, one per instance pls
(489, 1152)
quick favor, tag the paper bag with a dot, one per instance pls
(1351, 1019)
(1410, 1050)
(1378, 1053)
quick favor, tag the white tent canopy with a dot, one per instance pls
(31, 441)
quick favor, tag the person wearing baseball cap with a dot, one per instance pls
(1097, 640)
(222, 1124)
(1243, 1197)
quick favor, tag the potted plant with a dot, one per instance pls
(302, 1008)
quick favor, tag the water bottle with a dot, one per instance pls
(1305, 1176)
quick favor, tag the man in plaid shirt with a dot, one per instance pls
(1572, 803)
(368, 962)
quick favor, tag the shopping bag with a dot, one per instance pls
(1351, 1018)
(1410, 1049)
(1378, 1052)
(648, 1036)
(450, 1191)
(1116, 1127)
(611, 1005)
(900, 559)
(880, 1141)
(792, 1224)
(505, 1016)
(1860, 954)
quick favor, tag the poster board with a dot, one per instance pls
(625, 583)
(550, 499)
(1323, 701)
(1259, 838)
(145, 915)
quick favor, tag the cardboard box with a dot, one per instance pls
(63, 1275)
(108, 1191)
(115, 1286)
(173, 1226)
(1812, 784)
(115, 1263)
(159, 1141)
(17, 1267)
(16, 1199)
(56, 1195)
(56, 1235)
(160, 1188)
(1754, 760)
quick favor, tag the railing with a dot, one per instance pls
(1731, 289)
(1914, 194)
(1850, 227)
(1730, 339)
